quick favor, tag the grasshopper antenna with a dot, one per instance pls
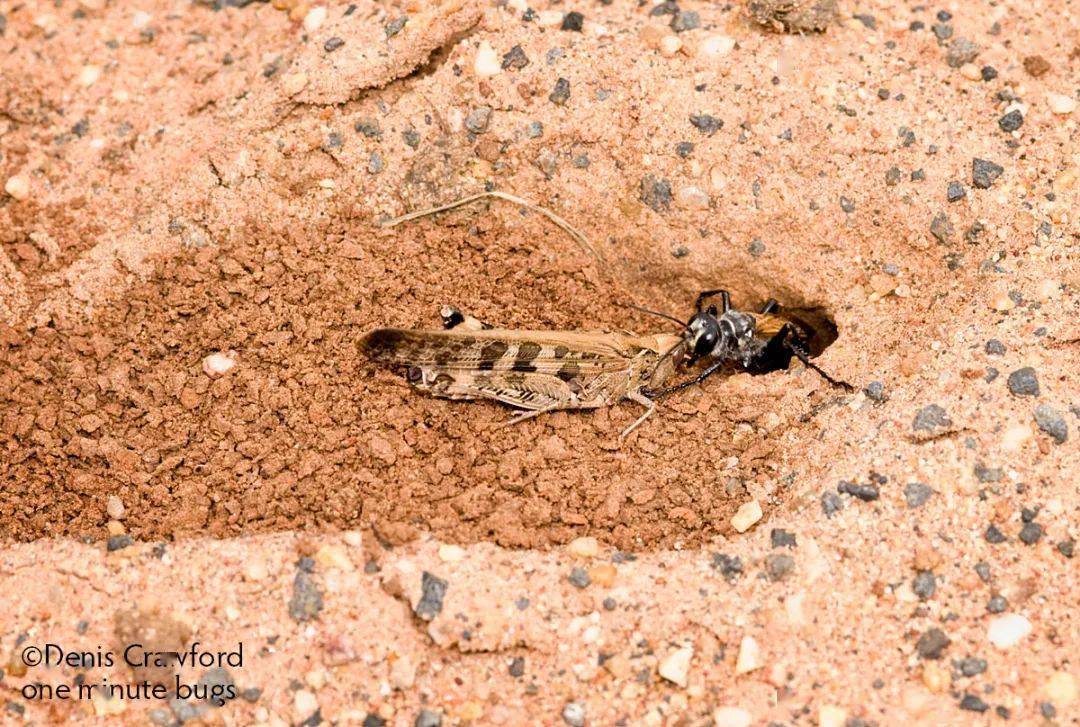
(658, 314)
(579, 238)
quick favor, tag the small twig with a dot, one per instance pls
(566, 226)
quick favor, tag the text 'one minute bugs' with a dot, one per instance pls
(542, 371)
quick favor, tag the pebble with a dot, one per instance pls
(961, 51)
(782, 539)
(315, 18)
(307, 599)
(831, 715)
(1061, 105)
(1061, 688)
(573, 714)
(451, 553)
(293, 83)
(749, 657)
(656, 193)
(517, 667)
(487, 61)
(219, 363)
(924, 585)
(579, 577)
(304, 705)
(941, 227)
(732, 717)
(972, 666)
(1050, 421)
(779, 566)
(994, 536)
(676, 666)
(1031, 533)
(932, 643)
(585, 547)
(561, 93)
(432, 593)
(395, 26)
(515, 59)
(1011, 121)
(973, 703)
(931, 418)
(118, 542)
(692, 198)
(670, 45)
(114, 506)
(997, 604)
(866, 493)
(1024, 382)
(18, 187)
(747, 514)
(478, 119)
(917, 493)
(831, 503)
(428, 718)
(955, 192)
(984, 173)
(714, 47)
(332, 44)
(89, 75)
(994, 347)
(685, 20)
(1008, 631)
(573, 21)
(706, 123)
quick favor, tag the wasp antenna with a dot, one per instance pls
(658, 314)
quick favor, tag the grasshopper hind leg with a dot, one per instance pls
(646, 402)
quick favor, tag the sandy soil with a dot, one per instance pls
(182, 180)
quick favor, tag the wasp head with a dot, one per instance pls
(728, 335)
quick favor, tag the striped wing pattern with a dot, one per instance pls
(564, 354)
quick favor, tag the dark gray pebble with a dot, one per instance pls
(782, 539)
(1024, 382)
(394, 26)
(955, 192)
(730, 567)
(779, 566)
(866, 493)
(982, 568)
(875, 391)
(515, 59)
(517, 666)
(561, 93)
(988, 73)
(478, 119)
(997, 604)
(917, 493)
(1011, 121)
(332, 44)
(307, 599)
(984, 173)
(428, 718)
(831, 503)
(1031, 533)
(573, 21)
(1052, 422)
(973, 703)
(924, 585)
(971, 666)
(685, 20)
(707, 124)
(432, 593)
(118, 542)
(994, 347)
(656, 193)
(932, 644)
(941, 228)
(579, 577)
(994, 536)
(931, 418)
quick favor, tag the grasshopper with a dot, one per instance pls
(543, 371)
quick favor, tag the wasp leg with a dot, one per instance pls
(646, 402)
(725, 299)
(657, 393)
(802, 356)
(453, 318)
(769, 306)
